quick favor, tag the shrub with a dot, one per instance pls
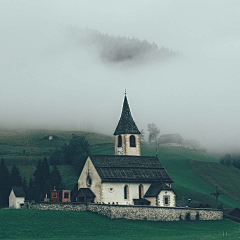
(188, 217)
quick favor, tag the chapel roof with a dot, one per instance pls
(123, 168)
(87, 192)
(18, 191)
(126, 123)
(155, 189)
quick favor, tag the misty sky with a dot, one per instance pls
(49, 80)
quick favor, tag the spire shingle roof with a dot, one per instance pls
(126, 124)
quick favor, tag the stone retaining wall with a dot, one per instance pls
(135, 212)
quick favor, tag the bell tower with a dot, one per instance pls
(127, 135)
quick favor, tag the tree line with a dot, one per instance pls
(74, 153)
(40, 184)
(228, 160)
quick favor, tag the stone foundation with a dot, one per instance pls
(135, 212)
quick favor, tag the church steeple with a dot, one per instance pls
(126, 124)
(127, 135)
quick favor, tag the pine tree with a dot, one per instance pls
(45, 171)
(15, 177)
(24, 186)
(4, 184)
(30, 193)
(55, 178)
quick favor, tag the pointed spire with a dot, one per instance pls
(126, 124)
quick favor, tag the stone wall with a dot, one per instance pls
(135, 212)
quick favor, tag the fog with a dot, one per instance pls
(51, 80)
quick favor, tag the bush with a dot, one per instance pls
(188, 217)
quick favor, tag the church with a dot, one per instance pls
(126, 178)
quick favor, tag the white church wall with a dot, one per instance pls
(171, 196)
(96, 181)
(114, 192)
(15, 202)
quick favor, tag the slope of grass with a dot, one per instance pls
(188, 182)
(33, 224)
(27, 147)
(227, 178)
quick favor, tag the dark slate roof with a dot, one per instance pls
(156, 188)
(87, 192)
(170, 138)
(232, 211)
(141, 201)
(117, 168)
(18, 191)
(191, 204)
(126, 123)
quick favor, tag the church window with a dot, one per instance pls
(119, 141)
(132, 141)
(126, 192)
(54, 195)
(141, 191)
(166, 200)
(88, 181)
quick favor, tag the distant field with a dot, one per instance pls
(34, 224)
(192, 179)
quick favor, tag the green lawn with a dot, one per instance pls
(32, 224)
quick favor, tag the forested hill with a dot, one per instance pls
(120, 49)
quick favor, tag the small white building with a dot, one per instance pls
(126, 178)
(16, 197)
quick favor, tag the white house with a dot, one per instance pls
(16, 197)
(126, 177)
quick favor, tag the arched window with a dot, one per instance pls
(132, 141)
(141, 191)
(126, 192)
(119, 141)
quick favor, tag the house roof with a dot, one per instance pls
(156, 188)
(141, 201)
(87, 192)
(117, 168)
(170, 138)
(18, 191)
(190, 203)
(126, 123)
(232, 211)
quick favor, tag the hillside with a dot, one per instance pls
(195, 173)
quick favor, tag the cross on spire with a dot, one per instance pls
(216, 194)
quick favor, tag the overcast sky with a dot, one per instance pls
(48, 80)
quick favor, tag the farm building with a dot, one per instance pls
(127, 177)
(16, 197)
(170, 140)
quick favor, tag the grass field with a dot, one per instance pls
(195, 173)
(34, 224)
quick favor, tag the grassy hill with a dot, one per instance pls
(195, 173)
(86, 225)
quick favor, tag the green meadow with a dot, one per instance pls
(195, 173)
(35, 224)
